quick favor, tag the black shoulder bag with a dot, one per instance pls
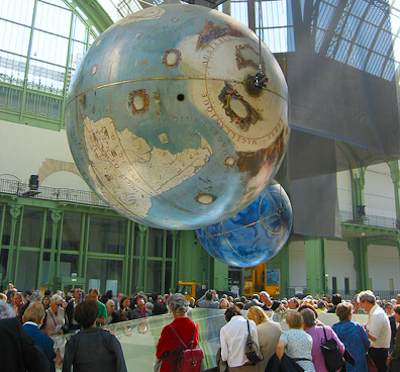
(332, 356)
(252, 350)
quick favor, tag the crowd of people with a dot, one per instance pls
(260, 334)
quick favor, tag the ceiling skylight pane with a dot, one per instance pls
(17, 10)
(14, 38)
(53, 19)
(49, 48)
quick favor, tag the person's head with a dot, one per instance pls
(224, 304)
(231, 312)
(86, 313)
(388, 309)
(149, 306)
(140, 302)
(398, 299)
(46, 302)
(209, 296)
(265, 298)
(17, 299)
(34, 313)
(367, 300)
(56, 301)
(3, 297)
(240, 305)
(110, 306)
(6, 311)
(309, 306)
(10, 286)
(321, 305)
(178, 305)
(397, 313)
(93, 294)
(109, 294)
(77, 295)
(293, 303)
(336, 299)
(124, 302)
(308, 318)
(257, 314)
(294, 319)
(344, 311)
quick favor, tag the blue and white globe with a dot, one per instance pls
(255, 235)
(163, 123)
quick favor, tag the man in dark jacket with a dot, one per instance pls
(33, 319)
(92, 349)
(18, 353)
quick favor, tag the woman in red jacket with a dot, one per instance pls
(181, 331)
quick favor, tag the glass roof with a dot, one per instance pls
(41, 44)
(363, 34)
(43, 41)
(118, 9)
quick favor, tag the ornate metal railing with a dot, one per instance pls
(15, 187)
(370, 220)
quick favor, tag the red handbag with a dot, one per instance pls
(190, 358)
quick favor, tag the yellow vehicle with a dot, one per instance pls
(259, 278)
(187, 288)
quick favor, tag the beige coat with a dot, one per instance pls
(268, 337)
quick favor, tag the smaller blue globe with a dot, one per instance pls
(255, 235)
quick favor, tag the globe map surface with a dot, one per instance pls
(255, 235)
(162, 123)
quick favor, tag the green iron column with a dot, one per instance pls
(2, 221)
(395, 174)
(357, 189)
(359, 248)
(41, 253)
(284, 270)
(143, 234)
(315, 266)
(192, 260)
(226, 7)
(55, 216)
(15, 213)
(220, 275)
(175, 244)
(95, 13)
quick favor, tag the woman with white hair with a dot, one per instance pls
(54, 320)
(6, 310)
(177, 336)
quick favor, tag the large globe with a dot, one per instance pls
(255, 235)
(164, 122)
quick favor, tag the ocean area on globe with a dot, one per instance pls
(255, 235)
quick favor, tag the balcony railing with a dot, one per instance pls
(15, 187)
(380, 221)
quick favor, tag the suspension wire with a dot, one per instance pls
(260, 80)
(260, 29)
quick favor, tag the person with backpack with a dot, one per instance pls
(177, 349)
